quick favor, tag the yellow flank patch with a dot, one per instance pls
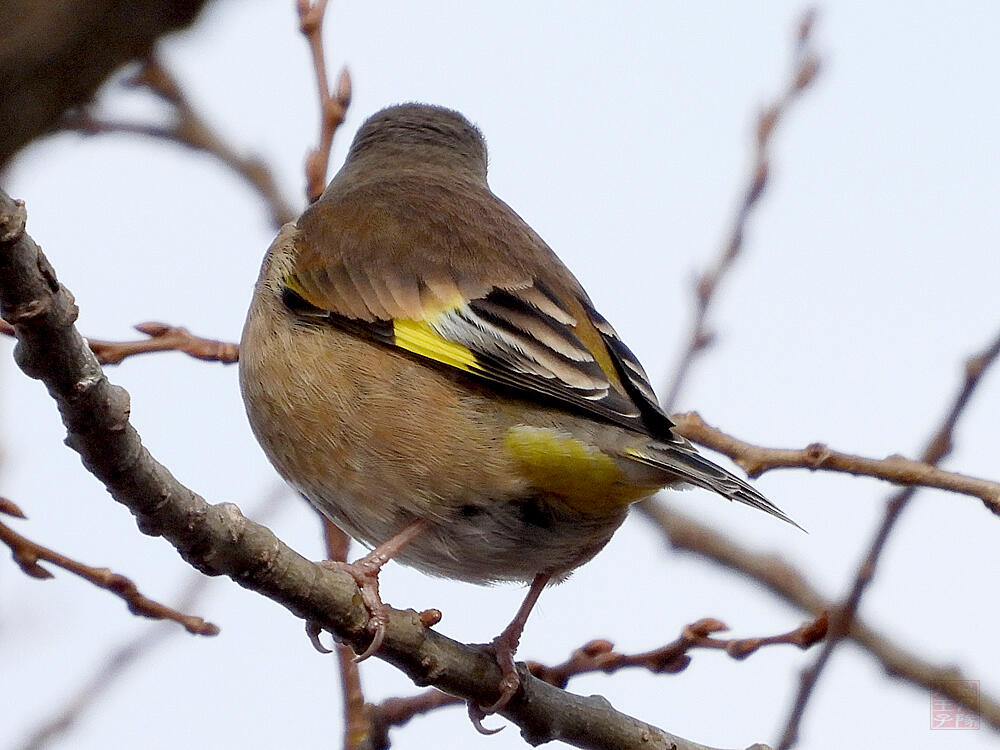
(580, 474)
(418, 337)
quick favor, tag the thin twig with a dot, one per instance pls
(162, 338)
(332, 109)
(755, 460)
(599, 656)
(940, 445)
(788, 583)
(28, 554)
(395, 712)
(188, 128)
(805, 70)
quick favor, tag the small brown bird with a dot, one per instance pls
(422, 367)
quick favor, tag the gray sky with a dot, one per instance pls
(622, 134)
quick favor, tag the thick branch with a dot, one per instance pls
(755, 460)
(219, 540)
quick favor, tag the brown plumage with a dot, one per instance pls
(415, 352)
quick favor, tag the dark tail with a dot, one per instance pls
(681, 460)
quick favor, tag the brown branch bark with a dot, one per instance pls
(55, 55)
(219, 540)
(333, 108)
(162, 338)
(755, 460)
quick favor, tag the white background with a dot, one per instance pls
(622, 133)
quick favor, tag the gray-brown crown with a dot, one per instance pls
(421, 132)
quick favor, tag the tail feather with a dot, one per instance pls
(681, 460)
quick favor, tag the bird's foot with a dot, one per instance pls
(503, 648)
(365, 573)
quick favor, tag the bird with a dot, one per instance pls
(421, 366)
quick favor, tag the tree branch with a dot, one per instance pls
(129, 654)
(333, 108)
(755, 460)
(357, 714)
(163, 337)
(219, 540)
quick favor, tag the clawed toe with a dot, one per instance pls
(476, 716)
(378, 622)
(313, 629)
(510, 682)
(365, 574)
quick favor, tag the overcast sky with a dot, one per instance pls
(621, 133)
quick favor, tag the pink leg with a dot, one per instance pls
(505, 645)
(365, 572)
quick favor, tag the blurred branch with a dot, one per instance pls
(806, 66)
(45, 69)
(126, 656)
(27, 554)
(188, 129)
(755, 460)
(219, 540)
(333, 108)
(600, 656)
(939, 446)
(162, 338)
(789, 584)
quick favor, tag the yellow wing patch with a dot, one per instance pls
(581, 475)
(419, 337)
